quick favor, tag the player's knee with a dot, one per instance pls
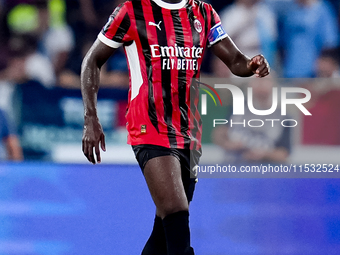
(170, 209)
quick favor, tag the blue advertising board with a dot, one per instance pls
(49, 117)
(81, 209)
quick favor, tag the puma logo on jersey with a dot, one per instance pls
(156, 25)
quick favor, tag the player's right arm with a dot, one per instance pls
(93, 135)
(112, 36)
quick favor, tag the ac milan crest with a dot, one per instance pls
(198, 25)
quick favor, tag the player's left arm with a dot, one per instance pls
(238, 63)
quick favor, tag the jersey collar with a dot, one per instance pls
(171, 6)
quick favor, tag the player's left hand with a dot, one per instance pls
(259, 66)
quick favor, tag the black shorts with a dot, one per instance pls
(187, 158)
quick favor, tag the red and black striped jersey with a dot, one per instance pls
(164, 44)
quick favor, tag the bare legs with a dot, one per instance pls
(163, 177)
(171, 233)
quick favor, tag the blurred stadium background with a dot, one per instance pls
(52, 202)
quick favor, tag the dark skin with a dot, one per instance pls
(162, 174)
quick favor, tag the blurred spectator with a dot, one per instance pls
(327, 65)
(335, 5)
(57, 41)
(246, 144)
(26, 63)
(279, 6)
(43, 19)
(220, 5)
(89, 16)
(4, 35)
(323, 127)
(114, 74)
(89, 13)
(10, 148)
(6, 95)
(252, 26)
(308, 27)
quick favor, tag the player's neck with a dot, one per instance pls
(172, 1)
(171, 4)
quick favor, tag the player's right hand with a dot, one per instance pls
(93, 136)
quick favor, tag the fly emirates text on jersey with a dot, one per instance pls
(186, 56)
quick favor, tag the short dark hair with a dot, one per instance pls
(332, 53)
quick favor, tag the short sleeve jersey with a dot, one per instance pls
(164, 44)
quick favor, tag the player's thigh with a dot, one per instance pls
(163, 177)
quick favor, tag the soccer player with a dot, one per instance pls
(164, 41)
